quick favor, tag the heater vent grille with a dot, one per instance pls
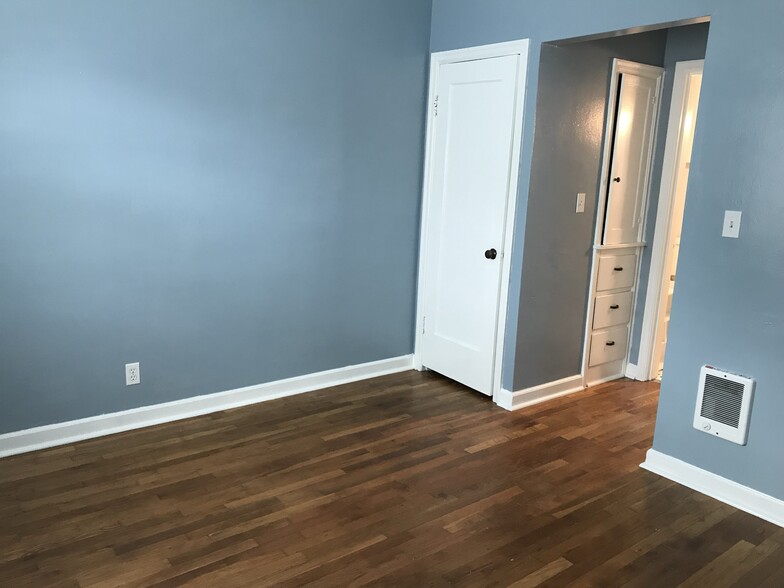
(724, 405)
(722, 400)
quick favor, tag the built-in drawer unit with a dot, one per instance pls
(608, 345)
(616, 272)
(612, 309)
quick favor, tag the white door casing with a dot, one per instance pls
(474, 128)
(687, 84)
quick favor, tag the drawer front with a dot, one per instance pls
(616, 271)
(612, 309)
(609, 345)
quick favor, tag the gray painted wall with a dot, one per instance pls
(227, 192)
(683, 44)
(570, 120)
(727, 309)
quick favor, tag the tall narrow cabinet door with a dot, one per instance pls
(631, 159)
(469, 181)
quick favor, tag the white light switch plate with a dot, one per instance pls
(731, 224)
(580, 202)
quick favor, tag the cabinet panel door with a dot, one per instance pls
(631, 158)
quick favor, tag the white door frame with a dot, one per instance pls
(661, 236)
(519, 48)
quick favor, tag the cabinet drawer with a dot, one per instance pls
(616, 271)
(609, 345)
(612, 309)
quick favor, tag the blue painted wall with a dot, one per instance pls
(727, 309)
(227, 192)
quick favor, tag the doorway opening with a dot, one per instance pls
(672, 201)
(598, 163)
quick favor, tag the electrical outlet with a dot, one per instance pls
(580, 203)
(132, 374)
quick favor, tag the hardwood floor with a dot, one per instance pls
(407, 480)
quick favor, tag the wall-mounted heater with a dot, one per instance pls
(724, 405)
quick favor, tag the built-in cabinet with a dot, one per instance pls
(611, 311)
(633, 107)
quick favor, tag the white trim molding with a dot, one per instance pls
(632, 372)
(538, 394)
(741, 497)
(661, 235)
(146, 416)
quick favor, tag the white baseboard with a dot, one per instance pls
(632, 372)
(741, 497)
(605, 372)
(535, 395)
(137, 418)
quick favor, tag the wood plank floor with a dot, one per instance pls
(407, 480)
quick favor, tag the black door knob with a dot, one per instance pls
(491, 254)
(617, 180)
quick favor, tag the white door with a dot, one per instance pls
(631, 156)
(470, 165)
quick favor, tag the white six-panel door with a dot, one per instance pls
(471, 161)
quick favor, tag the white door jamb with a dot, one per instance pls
(683, 69)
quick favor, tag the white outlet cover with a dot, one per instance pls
(133, 374)
(731, 224)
